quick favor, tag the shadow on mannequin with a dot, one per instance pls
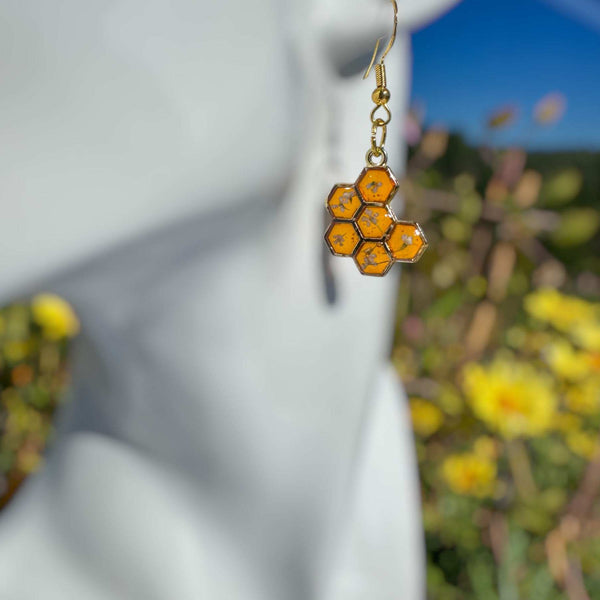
(231, 435)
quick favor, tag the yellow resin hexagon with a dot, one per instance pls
(406, 242)
(372, 258)
(342, 238)
(374, 222)
(376, 185)
(343, 202)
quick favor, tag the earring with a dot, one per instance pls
(364, 226)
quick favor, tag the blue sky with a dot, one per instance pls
(486, 53)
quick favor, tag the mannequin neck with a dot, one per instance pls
(141, 335)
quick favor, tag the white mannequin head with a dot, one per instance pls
(119, 116)
(218, 400)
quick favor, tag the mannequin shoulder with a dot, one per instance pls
(103, 522)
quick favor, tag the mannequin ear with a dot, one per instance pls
(417, 13)
(350, 28)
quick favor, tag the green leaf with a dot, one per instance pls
(446, 304)
(577, 226)
(482, 575)
(541, 586)
(562, 188)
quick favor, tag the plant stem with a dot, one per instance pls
(520, 466)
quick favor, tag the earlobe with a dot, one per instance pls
(348, 27)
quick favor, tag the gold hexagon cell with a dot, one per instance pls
(342, 238)
(372, 258)
(343, 202)
(374, 222)
(406, 242)
(376, 185)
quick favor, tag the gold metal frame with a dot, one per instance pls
(345, 222)
(422, 249)
(331, 194)
(362, 237)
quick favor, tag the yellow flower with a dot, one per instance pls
(55, 316)
(587, 335)
(583, 443)
(470, 474)
(561, 311)
(584, 398)
(593, 360)
(426, 417)
(511, 397)
(567, 362)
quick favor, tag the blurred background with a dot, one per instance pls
(498, 326)
(498, 330)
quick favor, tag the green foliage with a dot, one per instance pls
(499, 347)
(33, 377)
(576, 226)
(561, 188)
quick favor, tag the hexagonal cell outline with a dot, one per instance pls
(342, 238)
(374, 222)
(373, 258)
(343, 202)
(376, 185)
(406, 242)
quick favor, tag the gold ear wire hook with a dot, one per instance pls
(388, 47)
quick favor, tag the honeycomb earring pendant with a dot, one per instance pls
(364, 226)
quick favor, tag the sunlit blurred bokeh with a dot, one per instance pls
(33, 379)
(498, 331)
